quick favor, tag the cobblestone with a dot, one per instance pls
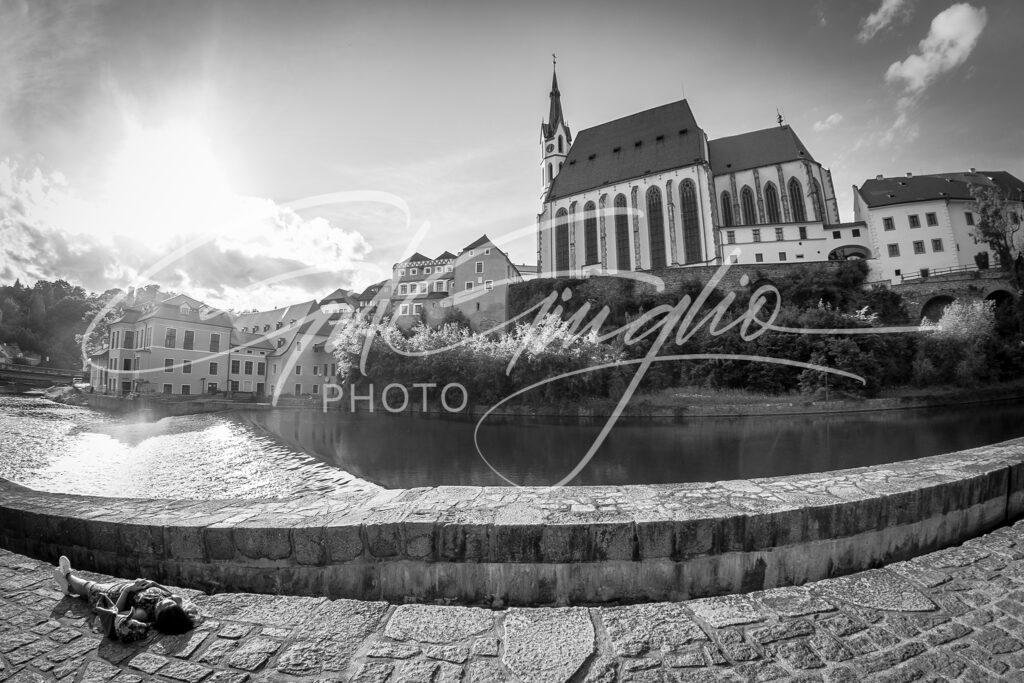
(951, 615)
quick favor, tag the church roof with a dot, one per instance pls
(659, 139)
(938, 186)
(555, 111)
(755, 149)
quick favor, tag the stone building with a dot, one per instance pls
(650, 190)
(926, 223)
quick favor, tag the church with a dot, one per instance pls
(651, 191)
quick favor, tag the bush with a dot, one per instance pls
(960, 347)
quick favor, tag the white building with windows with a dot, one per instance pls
(650, 191)
(923, 223)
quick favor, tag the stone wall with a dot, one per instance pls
(495, 545)
(967, 287)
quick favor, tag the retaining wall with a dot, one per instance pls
(498, 546)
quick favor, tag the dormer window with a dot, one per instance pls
(638, 143)
(660, 138)
(616, 150)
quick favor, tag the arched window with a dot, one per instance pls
(796, 199)
(771, 203)
(691, 226)
(656, 228)
(562, 242)
(559, 144)
(727, 210)
(819, 213)
(747, 201)
(590, 233)
(551, 171)
(622, 259)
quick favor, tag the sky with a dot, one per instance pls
(259, 153)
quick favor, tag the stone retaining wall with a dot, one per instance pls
(498, 546)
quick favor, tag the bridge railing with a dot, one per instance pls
(931, 272)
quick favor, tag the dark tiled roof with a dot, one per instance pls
(921, 188)
(249, 340)
(554, 112)
(594, 162)
(130, 315)
(445, 256)
(260, 319)
(339, 295)
(370, 292)
(756, 149)
(483, 239)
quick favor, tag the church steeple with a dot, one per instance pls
(555, 136)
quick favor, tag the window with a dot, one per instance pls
(469, 286)
(888, 223)
(479, 265)
(404, 310)
(590, 233)
(782, 256)
(186, 367)
(215, 341)
(280, 343)
(334, 370)
(487, 251)
(298, 369)
(403, 288)
(561, 242)
(316, 389)
(413, 271)
(488, 285)
(836, 234)
(855, 232)
(439, 286)
(931, 219)
(733, 258)
(248, 367)
(622, 259)
(189, 342)
(727, 210)
(816, 200)
(427, 270)
(149, 337)
(796, 198)
(235, 367)
(447, 269)
(756, 232)
(186, 389)
(298, 389)
(778, 235)
(168, 365)
(759, 258)
(747, 202)
(417, 308)
(261, 369)
(316, 370)
(937, 245)
(970, 217)
(894, 250)
(213, 368)
(401, 271)
(168, 389)
(423, 288)
(914, 220)
(771, 203)
(656, 228)
(691, 228)
(803, 232)
(730, 236)
(919, 247)
(212, 387)
(170, 338)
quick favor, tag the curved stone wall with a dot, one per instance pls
(499, 546)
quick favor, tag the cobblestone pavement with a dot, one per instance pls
(953, 614)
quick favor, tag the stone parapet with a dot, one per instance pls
(503, 545)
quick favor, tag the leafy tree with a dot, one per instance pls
(996, 225)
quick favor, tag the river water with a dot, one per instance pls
(282, 452)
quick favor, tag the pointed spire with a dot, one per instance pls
(555, 112)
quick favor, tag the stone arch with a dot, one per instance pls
(849, 252)
(934, 307)
(1001, 297)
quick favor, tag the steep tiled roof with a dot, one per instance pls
(370, 292)
(337, 296)
(658, 139)
(259, 319)
(483, 239)
(755, 149)
(939, 186)
(249, 340)
(445, 256)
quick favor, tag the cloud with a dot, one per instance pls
(953, 36)
(887, 13)
(831, 121)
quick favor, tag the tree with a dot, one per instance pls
(996, 225)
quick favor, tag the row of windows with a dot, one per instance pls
(750, 216)
(759, 258)
(914, 220)
(422, 287)
(137, 339)
(427, 270)
(255, 329)
(730, 235)
(937, 246)
(655, 230)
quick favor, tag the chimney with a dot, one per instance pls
(909, 174)
(879, 177)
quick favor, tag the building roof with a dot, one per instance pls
(285, 315)
(337, 296)
(445, 256)
(756, 149)
(479, 241)
(370, 292)
(935, 187)
(554, 112)
(249, 340)
(659, 139)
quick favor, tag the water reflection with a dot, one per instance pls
(408, 451)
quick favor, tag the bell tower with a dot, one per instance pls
(555, 137)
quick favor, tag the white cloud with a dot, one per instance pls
(953, 36)
(887, 13)
(831, 121)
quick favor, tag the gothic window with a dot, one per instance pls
(691, 226)
(816, 199)
(727, 210)
(796, 199)
(590, 232)
(749, 213)
(771, 203)
(656, 227)
(562, 242)
(621, 233)
(559, 144)
(550, 172)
